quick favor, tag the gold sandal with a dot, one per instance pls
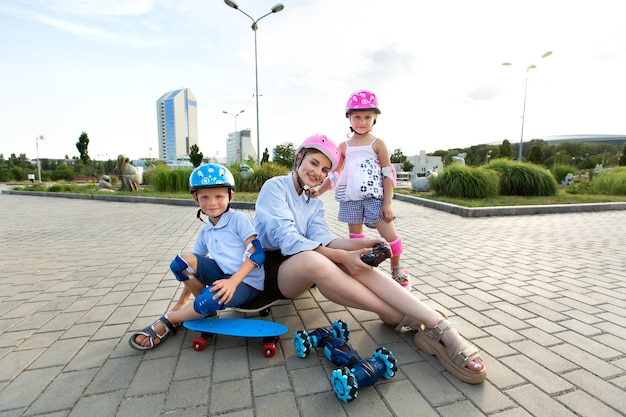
(455, 357)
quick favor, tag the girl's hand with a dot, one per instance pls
(224, 290)
(387, 213)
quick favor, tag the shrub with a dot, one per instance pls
(523, 179)
(171, 180)
(63, 188)
(610, 182)
(261, 174)
(559, 172)
(459, 181)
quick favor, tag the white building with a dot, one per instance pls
(424, 163)
(239, 147)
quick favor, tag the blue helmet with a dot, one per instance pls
(211, 176)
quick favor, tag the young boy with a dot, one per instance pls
(226, 266)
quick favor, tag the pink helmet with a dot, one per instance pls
(362, 100)
(325, 146)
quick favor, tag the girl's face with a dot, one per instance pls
(213, 201)
(362, 121)
(314, 167)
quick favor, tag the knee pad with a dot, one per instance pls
(178, 265)
(396, 246)
(205, 304)
(357, 236)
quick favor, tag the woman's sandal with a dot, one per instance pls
(454, 357)
(402, 277)
(150, 333)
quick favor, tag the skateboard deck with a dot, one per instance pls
(260, 304)
(268, 330)
(237, 327)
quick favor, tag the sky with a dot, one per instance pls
(69, 66)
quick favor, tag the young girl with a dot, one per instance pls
(301, 251)
(226, 266)
(365, 185)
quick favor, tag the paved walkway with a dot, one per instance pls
(544, 297)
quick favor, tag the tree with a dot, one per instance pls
(284, 154)
(195, 156)
(535, 156)
(81, 145)
(407, 166)
(505, 149)
(397, 156)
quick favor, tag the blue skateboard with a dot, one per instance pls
(268, 330)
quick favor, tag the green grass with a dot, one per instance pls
(561, 197)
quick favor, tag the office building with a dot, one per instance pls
(239, 147)
(177, 116)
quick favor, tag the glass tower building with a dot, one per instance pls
(177, 116)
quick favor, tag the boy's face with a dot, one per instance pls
(213, 201)
(362, 121)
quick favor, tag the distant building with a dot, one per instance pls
(239, 147)
(423, 163)
(177, 116)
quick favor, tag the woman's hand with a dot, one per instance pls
(352, 263)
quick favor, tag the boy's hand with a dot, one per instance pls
(224, 290)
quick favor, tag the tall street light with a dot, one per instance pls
(37, 139)
(531, 66)
(277, 8)
(237, 134)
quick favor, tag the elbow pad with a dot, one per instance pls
(332, 179)
(390, 172)
(258, 256)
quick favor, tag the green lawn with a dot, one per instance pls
(562, 197)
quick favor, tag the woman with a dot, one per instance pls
(301, 252)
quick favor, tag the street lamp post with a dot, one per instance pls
(277, 8)
(37, 139)
(531, 66)
(237, 134)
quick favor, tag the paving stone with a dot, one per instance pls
(543, 298)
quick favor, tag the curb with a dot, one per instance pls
(127, 198)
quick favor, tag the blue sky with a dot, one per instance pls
(99, 66)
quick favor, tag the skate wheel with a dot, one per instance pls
(198, 344)
(269, 350)
(264, 312)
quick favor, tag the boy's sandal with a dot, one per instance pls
(150, 333)
(402, 277)
(454, 357)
